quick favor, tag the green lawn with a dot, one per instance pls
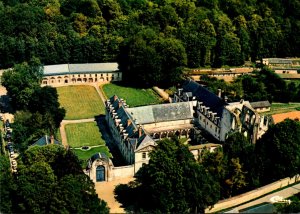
(85, 155)
(133, 96)
(80, 102)
(277, 108)
(83, 134)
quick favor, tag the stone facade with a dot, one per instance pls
(65, 74)
(220, 118)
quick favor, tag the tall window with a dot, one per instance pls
(144, 155)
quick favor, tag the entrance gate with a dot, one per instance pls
(100, 173)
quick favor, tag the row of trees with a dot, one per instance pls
(174, 181)
(49, 180)
(148, 34)
(38, 111)
(263, 85)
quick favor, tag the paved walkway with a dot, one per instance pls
(285, 193)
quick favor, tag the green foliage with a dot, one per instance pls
(21, 82)
(197, 33)
(277, 149)
(294, 207)
(7, 185)
(171, 182)
(50, 179)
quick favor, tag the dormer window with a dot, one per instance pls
(144, 155)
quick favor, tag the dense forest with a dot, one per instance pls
(152, 34)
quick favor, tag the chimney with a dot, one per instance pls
(226, 99)
(128, 122)
(120, 104)
(179, 91)
(52, 139)
(140, 131)
(219, 92)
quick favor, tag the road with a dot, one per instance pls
(285, 193)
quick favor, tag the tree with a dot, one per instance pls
(50, 179)
(21, 82)
(279, 151)
(7, 184)
(45, 100)
(171, 182)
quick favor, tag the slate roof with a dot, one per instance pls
(209, 99)
(162, 112)
(144, 142)
(62, 69)
(45, 140)
(98, 156)
(260, 104)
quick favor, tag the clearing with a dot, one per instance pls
(133, 96)
(277, 108)
(80, 101)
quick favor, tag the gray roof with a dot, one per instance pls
(145, 142)
(162, 112)
(62, 69)
(209, 99)
(279, 61)
(45, 140)
(260, 104)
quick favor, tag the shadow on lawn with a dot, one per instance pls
(117, 158)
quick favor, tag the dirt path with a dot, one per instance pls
(105, 191)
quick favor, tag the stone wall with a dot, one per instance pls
(122, 172)
(239, 199)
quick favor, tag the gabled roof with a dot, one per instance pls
(144, 142)
(260, 104)
(45, 140)
(162, 112)
(202, 94)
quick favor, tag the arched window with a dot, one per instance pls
(100, 173)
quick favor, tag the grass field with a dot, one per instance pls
(277, 108)
(85, 155)
(133, 96)
(83, 134)
(80, 102)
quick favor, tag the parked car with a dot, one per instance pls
(13, 163)
(7, 124)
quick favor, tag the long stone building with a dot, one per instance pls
(136, 130)
(64, 74)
